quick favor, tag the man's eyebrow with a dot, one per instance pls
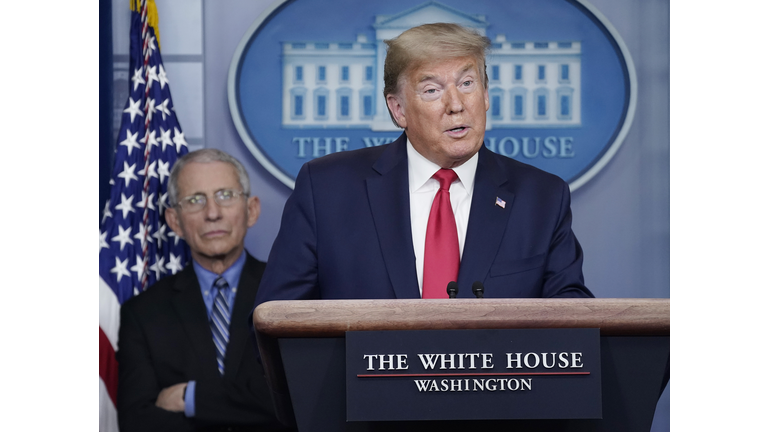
(464, 70)
(467, 68)
(206, 194)
(426, 78)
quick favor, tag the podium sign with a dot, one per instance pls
(473, 374)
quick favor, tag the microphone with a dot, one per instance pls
(477, 289)
(452, 289)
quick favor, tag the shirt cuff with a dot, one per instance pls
(189, 399)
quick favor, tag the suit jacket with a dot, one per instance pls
(346, 232)
(165, 339)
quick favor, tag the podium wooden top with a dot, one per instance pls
(331, 318)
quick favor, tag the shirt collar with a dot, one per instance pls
(232, 274)
(421, 169)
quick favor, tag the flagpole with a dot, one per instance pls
(147, 120)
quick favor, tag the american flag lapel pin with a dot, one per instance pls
(501, 203)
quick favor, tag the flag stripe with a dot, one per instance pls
(108, 366)
(109, 312)
(107, 411)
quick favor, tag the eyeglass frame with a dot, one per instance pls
(185, 209)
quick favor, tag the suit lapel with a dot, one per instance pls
(189, 305)
(389, 200)
(487, 221)
(239, 330)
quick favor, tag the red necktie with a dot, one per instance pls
(441, 249)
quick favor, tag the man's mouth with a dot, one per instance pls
(215, 233)
(459, 130)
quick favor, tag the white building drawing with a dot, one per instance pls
(335, 85)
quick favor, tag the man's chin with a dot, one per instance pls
(218, 253)
(462, 153)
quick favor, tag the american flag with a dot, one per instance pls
(136, 247)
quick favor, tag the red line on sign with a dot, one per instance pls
(469, 374)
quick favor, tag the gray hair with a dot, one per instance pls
(207, 155)
(427, 43)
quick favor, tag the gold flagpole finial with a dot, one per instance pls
(152, 18)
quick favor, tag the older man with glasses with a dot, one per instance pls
(185, 359)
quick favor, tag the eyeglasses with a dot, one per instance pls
(197, 202)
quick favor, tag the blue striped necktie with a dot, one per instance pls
(220, 321)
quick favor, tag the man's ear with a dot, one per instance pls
(397, 108)
(253, 210)
(172, 218)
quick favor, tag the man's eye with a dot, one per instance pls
(225, 195)
(467, 83)
(197, 199)
(430, 91)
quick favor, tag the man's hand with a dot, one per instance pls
(172, 398)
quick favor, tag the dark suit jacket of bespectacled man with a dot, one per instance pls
(169, 378)
(354, 226)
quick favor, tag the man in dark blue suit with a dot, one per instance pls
(186, 362)
(359, 224)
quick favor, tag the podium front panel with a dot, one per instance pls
(634, 374)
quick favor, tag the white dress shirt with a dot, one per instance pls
(422, 189)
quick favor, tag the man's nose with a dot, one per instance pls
(454, 102)
(212, 209)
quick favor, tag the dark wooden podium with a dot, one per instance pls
(303, 351)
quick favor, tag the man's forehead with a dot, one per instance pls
(196, 168)
(208, 175)
(460, 66)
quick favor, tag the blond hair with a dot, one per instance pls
(428, 43)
